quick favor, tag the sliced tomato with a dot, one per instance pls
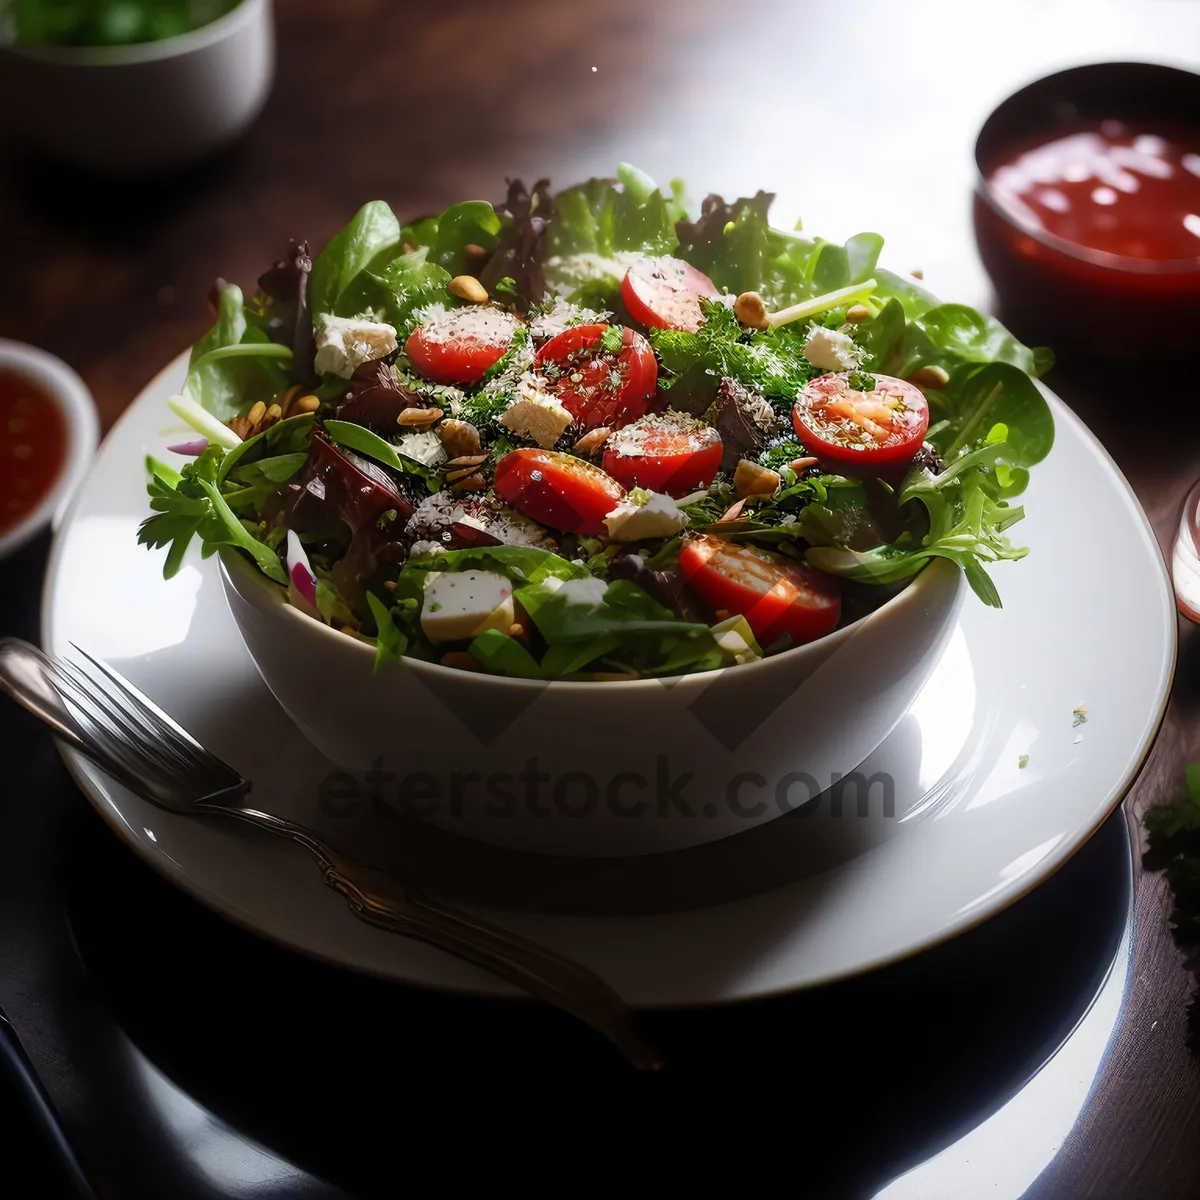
(775, 594)
(666, 452)
(665, 293)
(840, 424)
(459, 346)
(557, 490)
(598, 386)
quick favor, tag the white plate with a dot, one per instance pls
(798, 902)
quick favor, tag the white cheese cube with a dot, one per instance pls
(831, 350)
(461, 604)
(535, 413)
(658, 517)
(344, 343)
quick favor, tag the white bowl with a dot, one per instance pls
(148, 107)
(598, 769)
(74, 401)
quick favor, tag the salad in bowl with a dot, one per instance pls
(585, 436)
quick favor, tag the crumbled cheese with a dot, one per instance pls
(568, 273)
(424, 547)
(655, 428)
(474, 323)
(562, 316)
(535, 412)
(461, 604)
(832, 350)
(344, 343)
(656, 517)
(589, 592)
(425, 447)
(438, 512)
(516, 529)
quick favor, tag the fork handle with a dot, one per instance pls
(387, 903)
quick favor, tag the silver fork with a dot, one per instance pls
(105, 717)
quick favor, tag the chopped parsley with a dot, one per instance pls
(768, 361)
(1080, 715)
(777, 456)
(860, 381)
(612, 339)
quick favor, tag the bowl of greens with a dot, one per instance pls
(133, 86)
(579, 486)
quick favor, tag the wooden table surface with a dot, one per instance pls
(859, 115)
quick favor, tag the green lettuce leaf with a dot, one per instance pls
(370, 240)
(503, 655)
(288, 437)
(968, 513)
(522, 564)
(235, 364)
(980, 397)
(594, 223)
(399, 288)
(390, 641)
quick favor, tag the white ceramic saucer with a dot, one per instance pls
(1088, 620)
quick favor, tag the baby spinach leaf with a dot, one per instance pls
(274, 470)
(570, 659)
(965, 335)
(524, 564)
(284, 437)
(370, 240)
(473, 222)
(503, 655)
(563, 616)
(234, 364)
(399, 288)
(862, 256)
(977, 398)
(830, 268)
(882, 334)
(390, 642)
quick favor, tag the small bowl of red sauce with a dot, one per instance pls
(48, 435)
(1087, 208)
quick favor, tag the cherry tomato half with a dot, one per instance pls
(557, 490)
(598, 386)
(460, 345)
(666, 452)
(665, 293)
(775, 594)
(839, 424)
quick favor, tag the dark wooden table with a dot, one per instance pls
(1043, 1054)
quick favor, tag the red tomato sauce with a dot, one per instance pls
(33, 446)
(1118, 188)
